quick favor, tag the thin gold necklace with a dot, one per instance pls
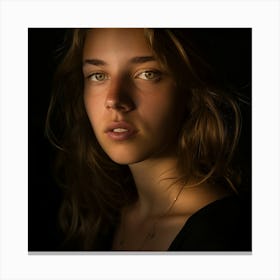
(151, 233)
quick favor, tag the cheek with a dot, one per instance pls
(165, 111)
(94, 108)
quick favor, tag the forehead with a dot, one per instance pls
(106, 41)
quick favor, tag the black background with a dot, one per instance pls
(228, 50)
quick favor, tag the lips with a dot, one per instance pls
(120, 131)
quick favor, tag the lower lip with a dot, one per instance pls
(121, 136)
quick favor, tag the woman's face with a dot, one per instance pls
(131, 101)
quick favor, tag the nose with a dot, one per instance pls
(119, 98)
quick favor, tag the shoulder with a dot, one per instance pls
(223, 225)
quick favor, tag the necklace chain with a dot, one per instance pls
(152, 232)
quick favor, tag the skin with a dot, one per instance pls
(118, 87)
(126, 93)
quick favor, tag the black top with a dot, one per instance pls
(223, 225)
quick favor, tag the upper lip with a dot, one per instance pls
(119, 124)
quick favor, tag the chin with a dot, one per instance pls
(125, 159)
(127, 156)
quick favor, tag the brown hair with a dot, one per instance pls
(206, 144)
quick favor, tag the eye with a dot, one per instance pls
(153, 75)
(98, 77)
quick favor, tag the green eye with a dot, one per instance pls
(98, 77)
(149, 75)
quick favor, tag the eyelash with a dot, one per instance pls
(91, 77)
(156, 76)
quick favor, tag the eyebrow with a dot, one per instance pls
(96, 62)
(142, 59)
(134, 60)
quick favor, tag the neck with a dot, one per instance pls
(156, 184)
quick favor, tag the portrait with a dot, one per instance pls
(139, 139)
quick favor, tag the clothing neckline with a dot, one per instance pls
(198, 213)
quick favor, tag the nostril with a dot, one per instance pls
(119, 105)
(110, 104)
(119, 97)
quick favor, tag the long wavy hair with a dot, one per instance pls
(96, 188)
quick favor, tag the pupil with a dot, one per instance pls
(149, 75)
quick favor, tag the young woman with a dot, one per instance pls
(146, 140)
